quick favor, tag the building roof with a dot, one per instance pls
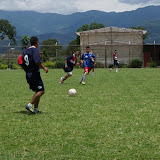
(111, 29)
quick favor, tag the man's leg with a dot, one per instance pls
(84, 78)
(35, 101)
(86, 72)
(117, 69)
(65, 77)
(69, 74)
(36, 98)
(92, 72)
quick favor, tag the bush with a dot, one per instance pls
(122, 65)
(136, 63)
(49, 64)
(14, 66)
(99, 65)
(3, 66)
(152, 64)
(60, 64)
(110, 66)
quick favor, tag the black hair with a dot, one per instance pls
(33, 41)
(87, 47)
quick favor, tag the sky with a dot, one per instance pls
(71, 6)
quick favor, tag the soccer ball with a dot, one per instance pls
(72, 92)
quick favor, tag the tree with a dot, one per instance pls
(25, 41)
(142, 28)
(7, 30)
(49, 48)
(87, 27)
(71, 48)
(95, 25)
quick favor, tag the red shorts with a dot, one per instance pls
(87, 69)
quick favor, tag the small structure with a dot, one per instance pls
(103, 42)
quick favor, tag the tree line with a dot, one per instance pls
(49, 47)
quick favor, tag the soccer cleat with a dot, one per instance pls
(30, 109)
(62, 81)
(38, 112)
(80, 81)
(83, 83)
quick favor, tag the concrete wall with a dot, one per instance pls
(129, 46)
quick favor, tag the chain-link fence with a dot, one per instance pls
(104, 54)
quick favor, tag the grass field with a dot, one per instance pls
(115, 116)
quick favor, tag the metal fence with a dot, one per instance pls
(104, 53)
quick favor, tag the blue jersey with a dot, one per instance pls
(86, 57)
(30, 58)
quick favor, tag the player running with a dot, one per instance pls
(30, 61)
(70, 62)
(87, 60)
(115, 58)
(93, 64)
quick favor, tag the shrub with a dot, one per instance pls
(122, 65)
(152, 64)
(49, 64)
(3, 66)
(110, 66)
(14, 66)
(60, 64)
(136, 63)
(99, 65)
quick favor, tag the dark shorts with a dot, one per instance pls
(93, 66)
(69, 69)
(35, 82)
(115, 63)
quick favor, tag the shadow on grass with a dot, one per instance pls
(28, 113)
(25, 112)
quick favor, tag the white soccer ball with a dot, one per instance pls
(72, 92)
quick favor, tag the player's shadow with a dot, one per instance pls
(24, 112)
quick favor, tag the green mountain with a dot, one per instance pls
(63, 27)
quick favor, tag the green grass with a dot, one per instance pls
(115, 116)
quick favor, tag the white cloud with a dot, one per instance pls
(140, 1)
(71, 6)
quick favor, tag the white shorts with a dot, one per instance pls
(69, 73)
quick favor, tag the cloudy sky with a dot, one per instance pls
(71, 6)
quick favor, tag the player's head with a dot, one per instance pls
(34, 41)
(76, 53)
(88, 49)
(115, 51)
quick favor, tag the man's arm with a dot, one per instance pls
(82, 59)
(66, 63)
(43, 67)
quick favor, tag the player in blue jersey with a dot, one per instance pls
(87, 60)
(115, 59)
(70, 62)
(30, 61)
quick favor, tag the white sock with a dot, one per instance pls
(116, 69)
(30, 105)
(92, 74)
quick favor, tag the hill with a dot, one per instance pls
(63, 26)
